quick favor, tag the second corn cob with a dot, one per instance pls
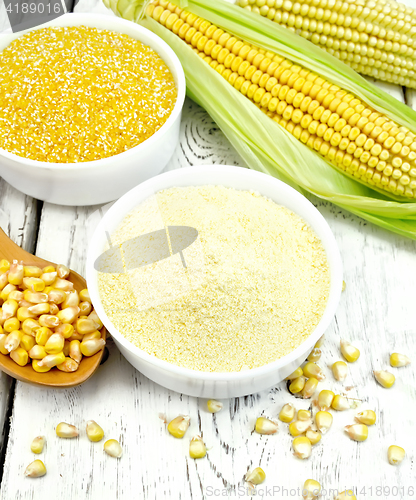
(375, 38)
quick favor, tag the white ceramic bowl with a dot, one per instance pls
(204, 384)
(100, 181)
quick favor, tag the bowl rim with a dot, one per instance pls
(336, 276)
(156, 43)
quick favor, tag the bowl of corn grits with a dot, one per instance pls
(214, 281)
(90, 107)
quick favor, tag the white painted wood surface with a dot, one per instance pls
(377, 313)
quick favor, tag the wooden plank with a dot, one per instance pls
(376, 313)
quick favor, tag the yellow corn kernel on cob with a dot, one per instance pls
(347, 132)
(374, 38)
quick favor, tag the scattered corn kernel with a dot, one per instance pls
(367, 417)
(35, 469)
(299, 427)
(64, 430)
(311, 489)
(310, 387)
(323, 421)
(385, 378)
(304, 415)
(256, 476)
(302, 447)
(320, 342)
(297, 373)
(315, 355)
(346, 495)
(395, 454)
(340, 370)
(313, 370)
(94, 432)
(37, 444)
(297, 385)
(287, 413)
(350, 353)
(112, 447)
(397, 360)
(313, 436)
(179, 425)
(357, 432)
(214, 406)
(340, 403)
(197, 448)
(325, 399)
(265, 426)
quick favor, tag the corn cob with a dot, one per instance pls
(375, 38)
(349, 134)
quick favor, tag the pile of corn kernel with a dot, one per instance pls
(44, 320)
(95, 433)
(77, 94)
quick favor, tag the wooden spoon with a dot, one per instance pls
(53, 378)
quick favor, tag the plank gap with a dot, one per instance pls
(6, 427)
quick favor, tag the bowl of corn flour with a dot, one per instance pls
(214, 281)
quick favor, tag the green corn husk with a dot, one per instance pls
(265, 145)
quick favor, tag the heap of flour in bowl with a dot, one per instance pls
(249, 289)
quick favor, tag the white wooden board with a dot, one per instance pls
(376, 313)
